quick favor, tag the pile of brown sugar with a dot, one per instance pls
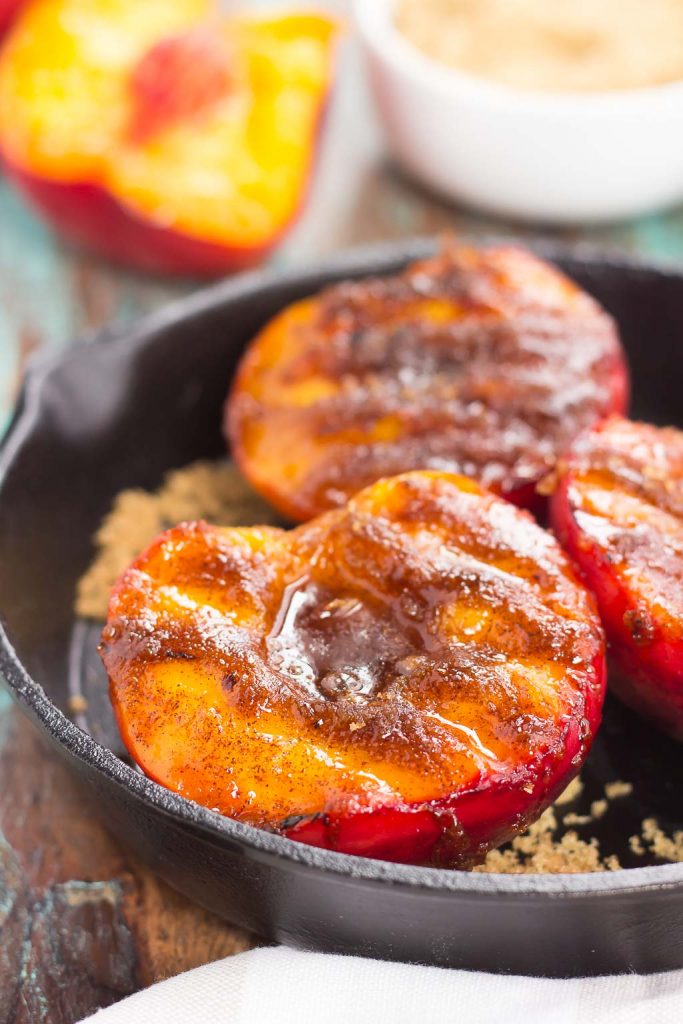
(540, 851)
(216, 491)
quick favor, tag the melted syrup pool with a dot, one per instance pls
(335, 645)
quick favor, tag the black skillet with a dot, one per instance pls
(121, 412)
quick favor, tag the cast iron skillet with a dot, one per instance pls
(121, 412)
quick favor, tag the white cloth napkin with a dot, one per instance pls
(284, 986)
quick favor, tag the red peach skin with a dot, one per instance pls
(90, 216)
(8, 12)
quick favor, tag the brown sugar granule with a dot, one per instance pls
(577, 819)
(665, 847)
(78, 705)
(615, 790)
(214, 491)
(599, 809)
(636, 845)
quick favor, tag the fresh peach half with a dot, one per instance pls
(618, 511)
(486, 362)
(165, 135)
(412, 677)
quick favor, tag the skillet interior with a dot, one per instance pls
(120, 413)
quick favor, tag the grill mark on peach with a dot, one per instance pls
(242, 656)
(626, 486)
(619, 511)
(658, 499)
(482, 564)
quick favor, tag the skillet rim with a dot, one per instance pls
(213, 827)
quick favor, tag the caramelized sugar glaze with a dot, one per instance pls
(618, 510)
(486, 362)
(414, 676)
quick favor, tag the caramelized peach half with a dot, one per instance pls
(618, 510)
(486, 362)
(412, 677)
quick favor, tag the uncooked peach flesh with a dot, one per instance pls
(165, 135)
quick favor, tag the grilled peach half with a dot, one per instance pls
(412, 677)
(618, 511)
(486, 362)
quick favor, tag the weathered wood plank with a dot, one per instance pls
(82, 924)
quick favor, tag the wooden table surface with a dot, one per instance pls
(82, 924)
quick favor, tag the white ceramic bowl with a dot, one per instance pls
(559, 158)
